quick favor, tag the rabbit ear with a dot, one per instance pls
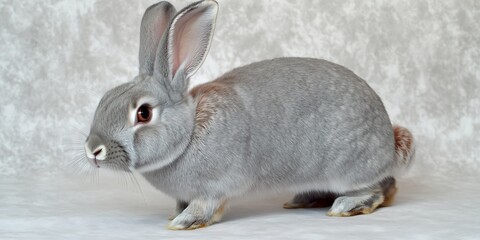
(155, 22)
(186, 44)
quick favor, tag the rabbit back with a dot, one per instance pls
(312, 119)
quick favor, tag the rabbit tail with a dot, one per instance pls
(404, 148)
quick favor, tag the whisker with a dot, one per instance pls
(73, 128)
(139, 187)
(114, 171)
(78, 162)
(131, 177)
(119, 174)
(90, 175)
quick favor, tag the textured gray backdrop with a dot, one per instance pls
(58, 57)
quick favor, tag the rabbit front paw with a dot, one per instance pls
(181, 205)
(186, 221)
(198, 214)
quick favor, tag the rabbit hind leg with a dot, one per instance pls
(364, 201)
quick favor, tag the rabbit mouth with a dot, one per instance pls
(94, 162)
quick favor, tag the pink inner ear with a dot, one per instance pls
(188, 41)
(178, 54)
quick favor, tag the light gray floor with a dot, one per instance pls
(70, 208)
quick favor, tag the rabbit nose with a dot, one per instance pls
(99, 151)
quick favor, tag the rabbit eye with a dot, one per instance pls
(144, 114)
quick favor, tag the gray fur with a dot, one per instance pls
(288, 124)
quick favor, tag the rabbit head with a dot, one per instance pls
(148, 122)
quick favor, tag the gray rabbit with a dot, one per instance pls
(302, 125)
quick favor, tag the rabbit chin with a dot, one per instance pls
(94, 162)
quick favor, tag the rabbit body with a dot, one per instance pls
(302, 125)
(293, 124)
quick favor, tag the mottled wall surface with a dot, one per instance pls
(57, 58)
